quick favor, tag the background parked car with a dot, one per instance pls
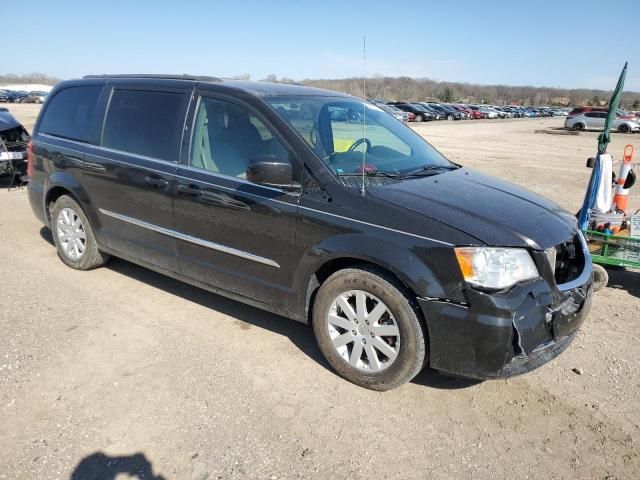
(595, 121)
(465, 115)
(35, 97)
(391, 110)
(420, 113)
(436, 114)
(448, 112)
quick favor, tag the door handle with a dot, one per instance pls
(156, 182)
(192, 190)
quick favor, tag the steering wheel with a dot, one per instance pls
(358, 142)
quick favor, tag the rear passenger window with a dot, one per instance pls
(146, 123)
(71, 114)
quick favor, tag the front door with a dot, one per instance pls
(234, 234)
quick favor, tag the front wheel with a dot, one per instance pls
(73, 236)
(600, 277)
(419, 118)
(449, 117)
(578, 127)
(368, 329)
(624, 128)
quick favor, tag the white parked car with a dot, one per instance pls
(595, 121)
(490, 112)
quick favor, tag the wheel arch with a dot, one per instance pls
(411, 274)
(341, 263)
(52, 195)
(61, 183)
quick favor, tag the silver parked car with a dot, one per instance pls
(595, 121)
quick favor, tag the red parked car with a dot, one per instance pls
(466, 109)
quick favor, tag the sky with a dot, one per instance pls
(577, 44)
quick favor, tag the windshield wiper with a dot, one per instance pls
(371, 174)
(427, 170)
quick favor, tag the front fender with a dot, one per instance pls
(426, 268)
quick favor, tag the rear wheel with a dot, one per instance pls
(419, 118)
(624, 128)
(449, 117)
(578, 127)
(73, 236)
(368, 329)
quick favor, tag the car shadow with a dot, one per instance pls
(100, 466)
(298, 333)
(9, 183)
(623, 279)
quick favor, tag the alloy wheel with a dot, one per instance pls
(363, 331)
(71, 234)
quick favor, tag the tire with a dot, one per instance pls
(77, 252)
(600, 277)
(419, 118)
(578, 127)
(624, 128)
(406, 341)
(449, 117)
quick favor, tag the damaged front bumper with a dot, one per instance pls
(12, 166)
(497, 335)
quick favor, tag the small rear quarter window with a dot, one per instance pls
(71, 114)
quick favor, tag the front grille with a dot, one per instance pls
(567, 260)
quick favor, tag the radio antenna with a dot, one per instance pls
(364, 106)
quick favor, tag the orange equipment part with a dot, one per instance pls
(627, 155)
(621, 197)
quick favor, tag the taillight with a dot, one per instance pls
(30, 160)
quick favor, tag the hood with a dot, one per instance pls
(495, 212)
(7, 120)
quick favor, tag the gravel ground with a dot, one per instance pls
(123, 370)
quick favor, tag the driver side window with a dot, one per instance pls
(226, 137)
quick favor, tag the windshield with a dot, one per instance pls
(335, 129)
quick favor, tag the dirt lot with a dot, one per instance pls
(120, 360)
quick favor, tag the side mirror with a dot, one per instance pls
(271, 171)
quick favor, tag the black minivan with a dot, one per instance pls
(262, 192)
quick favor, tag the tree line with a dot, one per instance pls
(426, 89)
(35, 77)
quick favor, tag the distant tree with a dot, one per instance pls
(595, 101)
(270, 78)
(447, 95)
(636, 104)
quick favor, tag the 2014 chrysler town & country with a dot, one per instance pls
(262, 192)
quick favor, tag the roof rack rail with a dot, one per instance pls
(199, 78)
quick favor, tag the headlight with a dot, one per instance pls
(497, 268)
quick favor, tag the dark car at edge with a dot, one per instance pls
(14, 140)
(397, 257)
